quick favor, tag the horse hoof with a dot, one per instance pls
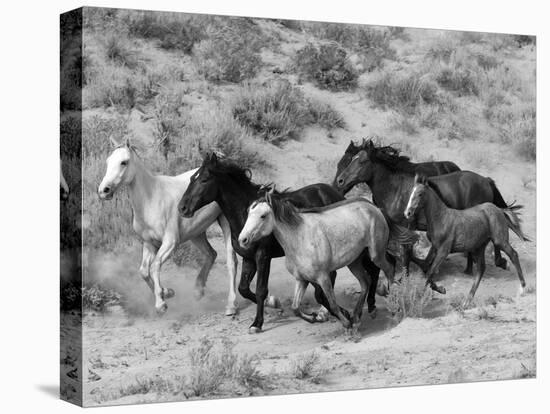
(199, 293)
(321, 317)
(441, 290)
(468, 272)
(272, 302)
(521, 291)
(161, 310)
(230, 311)
(254, 330)
(501, 263)
(168, 293)
(373, 313)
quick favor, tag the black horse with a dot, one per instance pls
(427, 169)
(390, 177)
(230, 186)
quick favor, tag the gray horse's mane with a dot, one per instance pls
(283, 209)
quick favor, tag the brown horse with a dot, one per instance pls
(468, 231)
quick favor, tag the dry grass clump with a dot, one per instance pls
(327, 65)
(279, 111)
(372, 44)
(409, 299)
(403, 92)
(214, 367)
(306, 366)
(173, 31)
(230, 53)
(98, 298)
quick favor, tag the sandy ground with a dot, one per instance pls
(495, 340)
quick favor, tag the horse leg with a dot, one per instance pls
(365, 281)
(469, 264)
(202, 243)
(374, 273)
(323, 312)
(480, 260)
(513, 255)
(231, 307)
(406, 254)
(247, 274)
(378, 256)
(147, 257)
(342, 314)
(440, 255)
(163, 253)
(263, 263)
(499, 260)
(299, 290)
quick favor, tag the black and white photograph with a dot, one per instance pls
(260, 206)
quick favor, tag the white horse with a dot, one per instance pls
(320, 240)
(156, 221)
(63, 187)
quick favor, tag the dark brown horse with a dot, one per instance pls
(429, 169)
(390, 177)
(469, 231)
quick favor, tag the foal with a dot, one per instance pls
(154, 200)
(318, 241)
(468, 231)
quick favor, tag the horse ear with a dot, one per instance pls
(213, 158)
(113, 142)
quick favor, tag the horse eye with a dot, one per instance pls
(124, 163)
(263, 216)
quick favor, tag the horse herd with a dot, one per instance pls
(316, 228)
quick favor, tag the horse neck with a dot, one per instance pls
(141, 188)
(234, 200)
(385, 186)
(435, 210)
(288, 238)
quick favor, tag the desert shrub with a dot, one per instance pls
(112, 86)
(327, 65)
(216, 130)
(211, 367)
(228, 54)
(371, 43)
(168, 117)
(305, 365)
(442, 49)
(172, 30)
(405, 123)
(409, 299)
(295, 25)
(278, 111)
(119, 50)
(403, 92)
(97, 298)
(524, 40)
(325, 115)
(462, 79)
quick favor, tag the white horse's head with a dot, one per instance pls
(259, 223)
(120, 170)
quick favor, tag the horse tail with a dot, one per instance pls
(498, 200)
(400, 234)
(514, 222)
